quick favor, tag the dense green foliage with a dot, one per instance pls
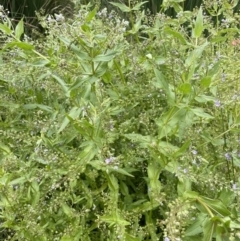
(113, 130)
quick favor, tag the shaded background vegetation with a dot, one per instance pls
(27, 8)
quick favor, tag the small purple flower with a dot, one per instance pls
(217, 103)
(166, 239)
(109, 160)
(228, 156)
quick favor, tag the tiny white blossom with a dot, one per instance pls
(59, 17)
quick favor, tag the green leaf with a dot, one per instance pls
(105, 57)
(4, 148)
(200, 112)
(206, 81)
(162, 83)
(19, 30)
(129, 237)
(208, 230)
(34, 106)
(143, 207)
(121, 6)
(191, 195)
(184, 186)
(21, 45)
(91, 15)
(73, 114)
(204, 98)
(40, 63)
(183, 148)
(82, 55)
(120, 170)
(185, 88)
(5, 29)
(137, 6)
(114, 219)
(175, 34)
(67, 210)
(215, 205)
(198, 28)
(61, 82)
(196, 227)
(195, 54)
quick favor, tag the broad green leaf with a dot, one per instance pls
(198, 28)
(105, 57)
(177, 7)
(5, 29)
(185, 88)
(191, 195)
(215, 205)
(73, 114)
(204, 98)
(143, 207)
(175, 34)
(200, 112)
(34, 106)
(21, 45)
(195, 54)
(208, 230)
(67, 210)
(144, 141)
(120, 170)
(206, 81)
(4, 148)
(196, 227)
(182, 149)
(162, 83)
(40, 63)
(227, 196)
(138, 5)
(66, 238)
(82, 55)
(215, 69)
(114, 219)
(136, 27)
(19, 30)
(184, 186)
(61, 82)
(121, 6)
(91, 15)
(129, 237)
(18, 181)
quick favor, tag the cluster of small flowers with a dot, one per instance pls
(102, 13)
(57, 18)
(109, 160)
(119, 25)
(3, 13)
(226, 23)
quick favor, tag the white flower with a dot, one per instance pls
(59, 17)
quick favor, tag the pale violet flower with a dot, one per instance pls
(228, 156)
(217, 103)
(194, 152)
(109, 160)
(166, 239)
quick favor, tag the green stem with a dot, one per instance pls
(206, 207)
